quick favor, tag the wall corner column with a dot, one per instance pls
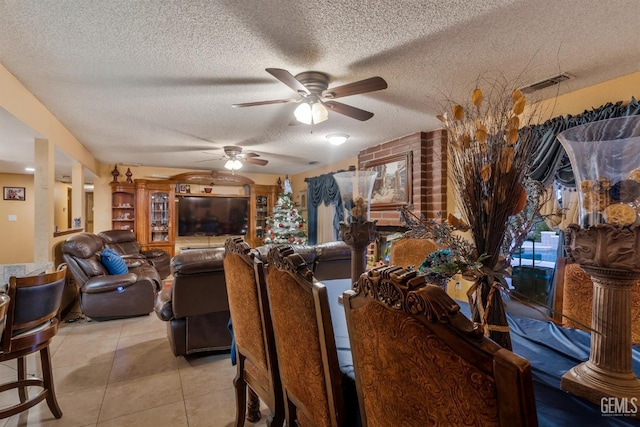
(43, 189)
(77, 194)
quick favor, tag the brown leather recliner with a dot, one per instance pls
(124, 242)
(195, 305)
(70, 293)
(327, 261)
(105, 296)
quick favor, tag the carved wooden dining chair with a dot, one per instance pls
(573, 298)
(30, 325)
(256, 360)
(410, 251)
(305, 342)
(418, 361)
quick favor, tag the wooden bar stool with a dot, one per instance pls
(30, 325)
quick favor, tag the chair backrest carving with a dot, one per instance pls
(409, 339)
(305, 342)
(252, 324)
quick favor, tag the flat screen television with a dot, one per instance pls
(212, 216)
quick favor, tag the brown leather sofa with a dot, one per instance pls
(195, 305)
(70, 292)
(105, 296)
(330, 260)
(124, 242)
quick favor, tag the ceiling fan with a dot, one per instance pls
(316, 98)
(235, 158)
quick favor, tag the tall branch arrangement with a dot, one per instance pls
(489, 158)
(490, 148)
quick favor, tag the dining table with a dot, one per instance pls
(551, 349)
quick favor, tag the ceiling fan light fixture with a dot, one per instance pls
(337, 138)
(233, 164)
(311, 112)
(319, 113)
(303, 113)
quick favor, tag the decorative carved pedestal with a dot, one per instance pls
(611, 256)
(358, 236)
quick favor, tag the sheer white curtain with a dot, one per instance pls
(326, 232)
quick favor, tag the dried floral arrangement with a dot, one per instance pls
(490, 149)
(460, 255)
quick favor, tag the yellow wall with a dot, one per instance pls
(19, 102)
(621, 89)
(60, 206)
(17, 237)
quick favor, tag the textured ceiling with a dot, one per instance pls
(152, 82)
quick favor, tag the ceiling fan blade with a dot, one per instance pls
(206, 160)
(255, 161)
(348, 110)
(275, 101)
(287, 78)
(245, 155)
(363, 86)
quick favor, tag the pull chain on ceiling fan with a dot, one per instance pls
(316, 99)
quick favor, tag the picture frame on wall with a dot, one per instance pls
(14, 193)
(393, 185)
(302, 200)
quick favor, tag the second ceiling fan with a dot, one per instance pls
(316, 99)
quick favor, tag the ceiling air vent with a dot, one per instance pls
(543, 84)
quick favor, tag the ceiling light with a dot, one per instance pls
(319, 113)
(303, 113)
(233, 164)
(30, 169)
(311, 112)
(337, 138)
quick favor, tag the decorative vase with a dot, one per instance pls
(355, 192)
(488, 309)
(356, 230)
(605, 157)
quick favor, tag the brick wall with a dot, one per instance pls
(429, 172)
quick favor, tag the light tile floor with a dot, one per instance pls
(123, 373)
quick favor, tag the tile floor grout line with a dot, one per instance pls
(113, 361)
(184, 403)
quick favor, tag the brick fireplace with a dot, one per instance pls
(429, 173)
(429, 180)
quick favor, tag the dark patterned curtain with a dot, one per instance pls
(550, 161)
(322, 189)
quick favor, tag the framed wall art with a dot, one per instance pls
(393, 184)
(14, 193)
(302, 200)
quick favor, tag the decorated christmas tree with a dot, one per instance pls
(285, 224)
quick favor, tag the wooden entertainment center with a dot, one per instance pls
(148, 207)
